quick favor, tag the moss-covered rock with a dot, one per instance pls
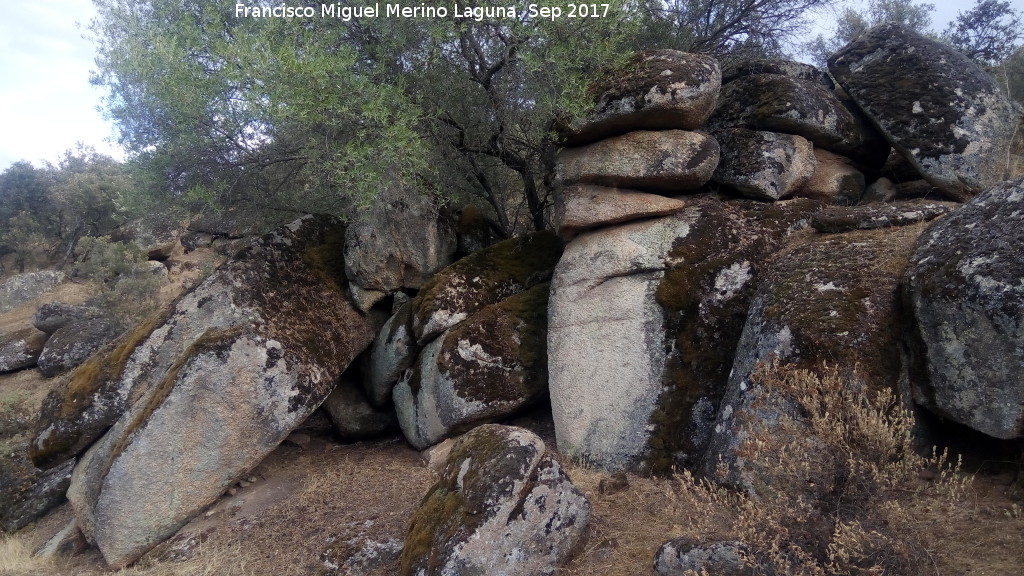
(483, 278)
(705, 294)
(900, 213)
(500, 502)
(20, 348)
(652, 90)
(831, 300)
(796, 70)
(948, 117)
(763, 165)
(238, 363)
(777, 103)
(964, 290)
(486, 368)
(73, 344)
(27, 493)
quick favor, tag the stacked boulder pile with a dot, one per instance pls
(709, 221)
(718, 220)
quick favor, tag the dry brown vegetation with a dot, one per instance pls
(312, 505)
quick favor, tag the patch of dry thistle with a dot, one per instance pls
(839, 483)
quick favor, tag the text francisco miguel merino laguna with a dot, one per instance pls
(346, 13)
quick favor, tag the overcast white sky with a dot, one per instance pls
(47, 103)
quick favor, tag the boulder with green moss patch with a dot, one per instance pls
(481, 279)
(831, 300)
(948, 117)
(652, 90)
(965, 289)
(502, 506)
(238, 363)
(486, 368)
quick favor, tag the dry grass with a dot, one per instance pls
(878, 508)
(16, 558)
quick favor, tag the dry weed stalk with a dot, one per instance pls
(835, 472)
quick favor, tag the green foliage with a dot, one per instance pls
(988, 33)
(128, 290)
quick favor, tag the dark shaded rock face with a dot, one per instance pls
(52, 316)
(201, 396)
(487, 367)
(73, 344)
(763, 165)
(501, 504)
(795, 70)
(653, 90)
(935, 106)
(832, 300)
(704, 296)
(27, 493)
(777, 103)
(481, 279)
(20, 349)
(964, 289)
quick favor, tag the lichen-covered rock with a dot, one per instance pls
(671, 161)
(238, 363)
(948, 117)
(835, 180)
(652, 90)
(901, 213)
(712, 273)
(502, 507)
(52, 316)
(790, 68)
(778, 103)
(353, 416)
(486, 368)
(763, 165)
(686, 556)
(398, 242)
(393, 351)
(20, 349)
(248, 290)
(27, 493)
(73, 344)
(585, 206)
(606, 339)
(964, 289)
(483, 278)
(19, 289)
(829, 300)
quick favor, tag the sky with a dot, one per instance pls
(47, 104)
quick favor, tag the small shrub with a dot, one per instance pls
(837, 479)
(127, 290)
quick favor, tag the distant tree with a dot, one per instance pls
(989, 33)
(851, 23)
